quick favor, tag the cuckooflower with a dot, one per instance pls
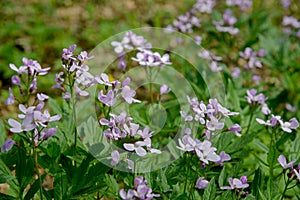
(7, 145)
(201, 183)
(283, 162)
(236, 183)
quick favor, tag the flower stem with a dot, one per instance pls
(249, 123)
(285, 189)
(37, 171)
(151, 85)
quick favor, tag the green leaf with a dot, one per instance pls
(270, 188)
(53, 150)
(6, 197)
(222, 176)
(210, 190)
(263, 197)
(7, 177)
(256, 184)
(226, 195)
(163, 181)
(250, 197)
(112, 184)
(34, 188)
(24, 162)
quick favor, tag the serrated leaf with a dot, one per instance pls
(210, 190)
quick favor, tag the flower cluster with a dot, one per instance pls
(236, 183)
(204, 6)
(77, 72)
(209, 115)
(214, 60)
(121, 126)
(151, 59)
(242, 4)
(292, 26)
(114, 90)
(27, 77)
(252, 58)
(34, 118)
(130, 41)
(140, 191)
(227, 23)
(276, 120)
(254, 98)
(185, 23)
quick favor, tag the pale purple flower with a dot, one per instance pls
(33, 85)
(235, 128)
(11, 98)
(185, 23)
(227, 23)
(59, 80)
(236, 72)
(130, 41)
(132, 129)
(103, 79)
(83, 56)
(68, 53)
(251, 57)
(204, 6)
(285, 3)
(201, 183)
(236, 183)
(67, 96)
(164, 89)
(297, 173)
(290, 21)
(289, 107)
(108, 99)
(16, 80)
(115, 158)
(187, 144)
(206, 152)
(128, 95)
(198, 40)
(214, 124)
(137, 147)
(187, 118)
(256, 79)
(223, 157)
(80, 92)
(283, 162)
(127, 196)
(47, 133)
(42, 97)
(288, 126)
(252, 97)
(7, 145)
(242, 4)
(26, 125)
(148, 58)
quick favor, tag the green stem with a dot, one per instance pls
(187, 172)
(37, 171)
(285, 189)
(73, 102)
(249, 123)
